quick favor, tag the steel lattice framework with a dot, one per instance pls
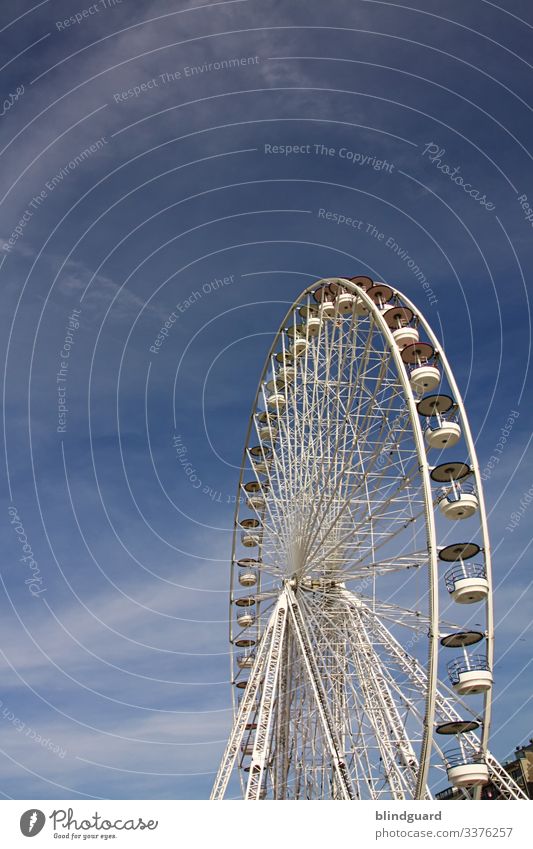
(341, 618)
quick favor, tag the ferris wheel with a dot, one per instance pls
(361, 619)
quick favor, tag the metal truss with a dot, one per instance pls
(264, 682)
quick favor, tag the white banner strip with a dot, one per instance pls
(312, 824)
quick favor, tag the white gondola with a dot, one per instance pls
(467, 582)
(472, 683)
(285, 375)
(296, 331)
(345, 302)
(326, 309)
(442, 429)
(262, 466)
(245, 601)
(470, 674)
(466, 769)
(284, 358)
(404, 336)
(360, 308)
(276, 401)
(459, 503)
(274, 384)
(424, 375)
(299, 347)
(255, 496)
(313, 325)
(324, 293)
(315, 313)
(424, 378)
(247, 579)
(251, 539)
(308, 310)
(245, 620)
(252, 533)
(458, 500)
(267, 432)
(245, 661)
(247, 748)
(381, 294)
(261, 451)
(266, 426)
(399, 318)
(445, 434)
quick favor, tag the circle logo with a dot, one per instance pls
(32, 822)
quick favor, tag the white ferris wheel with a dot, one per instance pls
(361, 619)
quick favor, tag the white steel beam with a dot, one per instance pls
(239, 725)
(328, 728)
(261, 748)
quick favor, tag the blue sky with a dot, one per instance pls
(121, 663)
